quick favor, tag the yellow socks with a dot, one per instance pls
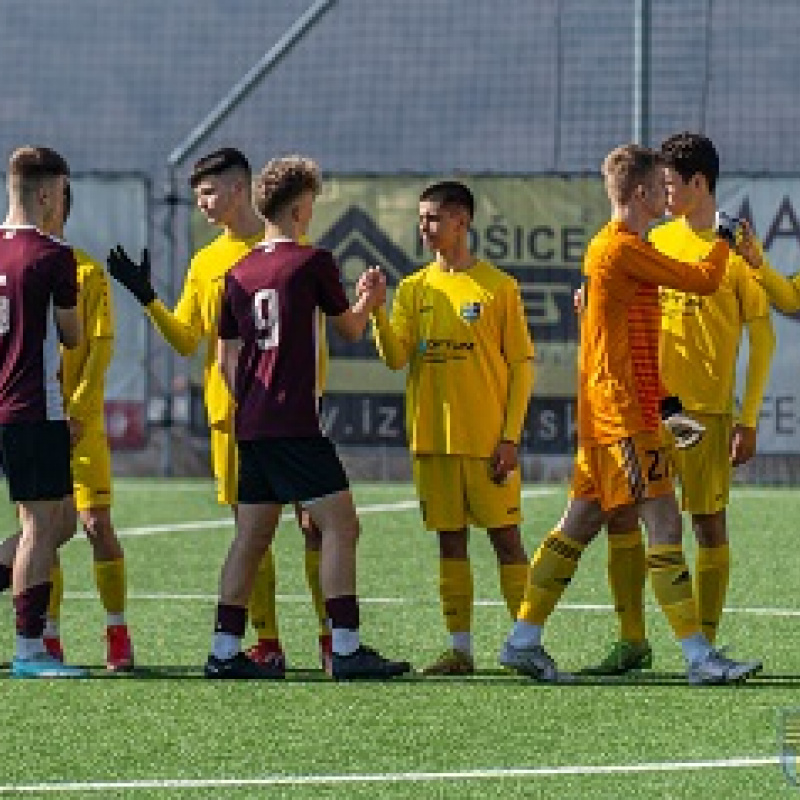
(262, 599)
(712, 570)
(551, 570)
(513, 578)
(456, 592)
(672, 586)
(312, 558)
(626, 575)
(109, 577)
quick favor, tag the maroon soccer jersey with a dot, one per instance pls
(271, 302)
(36, 273)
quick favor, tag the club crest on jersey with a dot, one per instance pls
(470, 311)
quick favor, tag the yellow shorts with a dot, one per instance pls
(224, 464)
(623, 473)
(704, 471)
(91, 467)
(455, 491)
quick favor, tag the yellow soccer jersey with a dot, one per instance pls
(461, 333)
(700, 335)
(197, 313)
(198, 310)
(82, 381)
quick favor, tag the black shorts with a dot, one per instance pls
(289, 470)
(36, 460)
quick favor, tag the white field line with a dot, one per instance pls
(227, 522)
(389, 777)
(401, 601)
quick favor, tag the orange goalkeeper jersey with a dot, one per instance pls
(644, 331)
(620, 267)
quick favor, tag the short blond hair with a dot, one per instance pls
(627, 167)
(282, 181)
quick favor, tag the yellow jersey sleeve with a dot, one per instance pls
(83, 368)
(395, 336)
(195, 320)
(700, 335)
(783, 292)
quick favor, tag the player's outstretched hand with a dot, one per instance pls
(134, 277)
(372, 286)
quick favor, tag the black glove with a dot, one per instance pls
(134, 277)
(726, 227)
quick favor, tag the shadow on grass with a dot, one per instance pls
(483, 677)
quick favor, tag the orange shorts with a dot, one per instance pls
(623, 473)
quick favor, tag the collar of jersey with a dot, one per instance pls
(279, 240)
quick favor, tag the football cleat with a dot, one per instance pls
(52, 644)
(240, 667)
(268, 653)
(714, 667)
(364, 664)
(119, 655)
(624, 657)
(451, 662)
(534, 661)
(326, 653)
(45, 666)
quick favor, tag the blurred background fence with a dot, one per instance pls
(520, 98)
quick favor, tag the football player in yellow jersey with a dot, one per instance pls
(700, 339)
(82, 373)
(221, 182)
(460, 326)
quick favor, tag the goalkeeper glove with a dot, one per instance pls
(727, 227)
(134, 277)
(686, 431)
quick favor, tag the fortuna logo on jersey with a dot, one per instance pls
(470, 311)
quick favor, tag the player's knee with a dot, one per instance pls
(96, 528)
(69, 520)
(508, 547)
(347, 532)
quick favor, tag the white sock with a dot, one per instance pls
(226, 645)
(462, 642)
(345, 641)
(524, 634)
(695, 648)
(26, 648)
(51, 627)
(115, 619)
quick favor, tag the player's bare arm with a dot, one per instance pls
(68, 326)
(227, 359)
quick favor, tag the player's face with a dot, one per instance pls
(654, 194)
(441, 227)
(215, 197)
(679, 193)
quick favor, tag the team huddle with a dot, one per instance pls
(662, 311)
